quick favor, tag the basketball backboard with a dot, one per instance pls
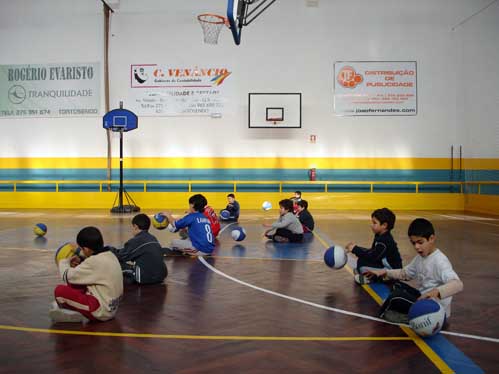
(241, 13)
(120, 120)
(274, 110)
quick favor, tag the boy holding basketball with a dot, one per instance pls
(287, 228)
(384, 253)
(431, 268)
(232, 208)
(142, 257)
(201, 240)
(93, 287)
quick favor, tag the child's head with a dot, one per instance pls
(231, 198)
(382, 220)
(197, 203)
(422, 236)
(90, 240)
(285, 206)
(142, 222)
(302, 205)
(297, 194)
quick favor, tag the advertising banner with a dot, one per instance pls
(375, 88)
(50, 90)
(169, 90)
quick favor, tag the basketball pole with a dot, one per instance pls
(131, 206)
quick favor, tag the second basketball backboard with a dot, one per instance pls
(274, 110)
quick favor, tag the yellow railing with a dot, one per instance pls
(327, 185)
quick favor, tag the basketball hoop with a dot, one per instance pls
(211, 24)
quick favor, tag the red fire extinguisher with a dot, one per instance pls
(312, 174)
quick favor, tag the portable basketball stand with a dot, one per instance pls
(121, 120)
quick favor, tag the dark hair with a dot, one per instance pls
(298, 193)
(231, 195)
(90, 237)
(303, 204)
(421, 227)
(142, 221)
(287, 204)
(385, 215)
(198, 202)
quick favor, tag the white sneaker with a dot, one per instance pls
(65, 315)
(361, 279)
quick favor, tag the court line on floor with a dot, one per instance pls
(205, 337)
(376, 298)
(226, 226)
(340, 311)
(432, 356)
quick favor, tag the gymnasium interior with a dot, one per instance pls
(109, 108)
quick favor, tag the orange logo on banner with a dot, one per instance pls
(348, 77)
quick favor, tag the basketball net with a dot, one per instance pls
(211, 24)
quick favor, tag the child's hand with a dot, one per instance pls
(431, 294)
(74, 261)
(378, 273)
(267, 225)
(349, 247)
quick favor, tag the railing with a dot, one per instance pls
(280, 186)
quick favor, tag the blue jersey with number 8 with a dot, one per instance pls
(199, 231)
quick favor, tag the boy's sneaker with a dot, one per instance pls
(280, 239)
(58, 314)
(396, 317)
(361, 279)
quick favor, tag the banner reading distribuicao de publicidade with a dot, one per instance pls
(375, 88)
(50, 90)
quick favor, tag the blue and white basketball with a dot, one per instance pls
(238, 234)
(225, 214)
(426, 317)
(335, 257)
(266, 205)
(160, 221)
(40, 229)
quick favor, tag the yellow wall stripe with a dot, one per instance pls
(208, 337)
(249, 163)
(218, 200)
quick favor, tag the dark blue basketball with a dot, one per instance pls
(238, 234)
(225, 214)
(335, 257)
(426, 317)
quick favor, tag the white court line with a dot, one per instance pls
(221, 231)
(27, 249)
(341, 311)
(170, 280)
(467, 220)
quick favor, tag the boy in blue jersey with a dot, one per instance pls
(201, 241)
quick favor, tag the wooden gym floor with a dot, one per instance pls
(254, 307)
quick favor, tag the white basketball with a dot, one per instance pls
(426, 317)
(266, 205)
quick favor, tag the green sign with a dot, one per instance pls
(50, 90)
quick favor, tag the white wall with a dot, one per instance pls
(478, 83)
(51, 31)
(289, 48)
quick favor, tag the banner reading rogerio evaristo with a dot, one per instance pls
(178, 89)
(50, 90)
(375, 88)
